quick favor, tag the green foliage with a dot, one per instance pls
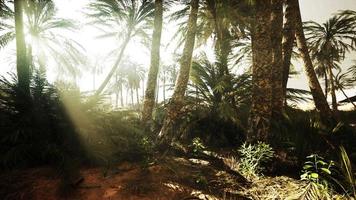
(317, 170)
(347, 172)
(253, 157)
(35, 131)
(197, 145)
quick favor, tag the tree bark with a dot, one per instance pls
(177, 101)
(22, 65)
(261, 108)
(277, 59)
(288, 42)
(319, 99)
(149, 99)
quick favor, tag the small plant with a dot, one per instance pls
(197, 145)
(253, 157)
(319, 173)
(316, 169)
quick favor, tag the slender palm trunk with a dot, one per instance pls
(319, 99)
(177, 101)
(288, 43)
(277, 59)
(94, 74)
(261, 108)
(22, 65)
(115, 66)
(164, 88)
(149, 99)
(343, 92)
(326, 82)
(157, 91)
(132, 96)
(121, 96)
(137, 97)
(332, 89)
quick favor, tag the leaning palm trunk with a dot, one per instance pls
(23, 71)
(319, 99)
(149, 99)
(116, 64)
(343, 92)
(176, 103)
(261, 108)
(277, 69)
(332, 89)
(288, 42)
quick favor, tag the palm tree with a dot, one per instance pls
(319, 99)
(261, 108)
(177, 100)
(42, 26)
(222, 20)
(149, 98)
(328, 44)
(23, 70)
(124, 19)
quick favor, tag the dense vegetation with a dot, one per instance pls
(233, 111)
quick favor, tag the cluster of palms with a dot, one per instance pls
(262, 31)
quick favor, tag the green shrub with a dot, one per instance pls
(252, 158)
(36, 129)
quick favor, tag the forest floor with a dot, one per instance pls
(173, 177)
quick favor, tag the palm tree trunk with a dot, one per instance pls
(149, 99)
(326, 83)
(332, 89)
(277, 59)
(116, 64)
(343, 92)
(132, 97)
(137, 97)
(319, 99)
(288, 43)
(261, 108)
(177, 100)
(121, 96)
(157, 91)
(164, 88)
(22, 66)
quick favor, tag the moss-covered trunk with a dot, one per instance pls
(261, 108)
(176, 103)
(149, 99)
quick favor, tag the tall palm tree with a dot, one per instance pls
(261, 108)
(42, 26)
(319, 99)
(23, 70)
(328, 43)
(149, 98)
(177, 100)
(222, 20)
(124, 19)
